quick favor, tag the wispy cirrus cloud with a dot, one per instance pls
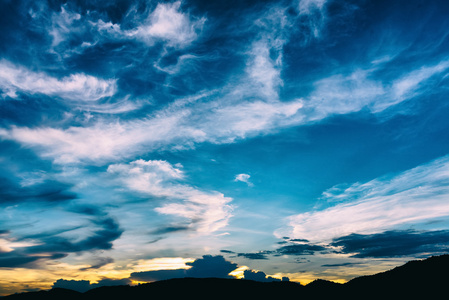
(176, 127)
(407, 85)
(220, 120)
(205, 212)
(244, 178)
(168, 23)
(414, 196)
(240, 110)
(75, 87)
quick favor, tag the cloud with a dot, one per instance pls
(226, 251)
(75, 87)
(170, 229)
(343, 94)
(312, 18)
(243, 108)
(243, 178)
(260, 276)
(224, 118)
(158, 275)
(395, 243)
(102, 232)
(85, 285)
(208, 266)
(265, 59)
(16, 260)
(305, 6)
(416, 195)
(119, 107)
(63, 25)
(405, 86)
(256, 256)
(295, 248)
(206, 211)
(26, 249)
(300, 249)
(348, 264)
(45, 191)
(169, 24)
(76, 285)
(176, 127)
(100, 262)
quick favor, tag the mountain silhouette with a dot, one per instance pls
(426, 279)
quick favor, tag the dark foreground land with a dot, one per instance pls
(426, 279)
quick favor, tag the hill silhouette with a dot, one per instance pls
(416, 279)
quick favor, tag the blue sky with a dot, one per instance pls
(143, 140)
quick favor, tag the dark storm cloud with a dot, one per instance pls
(290, 249)
(158, 275)
(52, 246)
(16, 259)
(257, 255)
(395, 243)
(227, 251)
(299, 240)
(300, 249)
(100, 262)
(169, 229)
(261, 276)
(85, 285)
(208, 266)
(49, 191)
(101, 239)
(348, 264)
(76, 285)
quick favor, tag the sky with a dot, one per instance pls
(266, 140)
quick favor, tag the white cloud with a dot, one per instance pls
(174, 127)
(102, 141)
(263, 71)
(265, 56)
(233, 113)
(409, 83)
(227, 123)
(243, 178)
(62, 24)
(341, 94)
(413, 196)
(207, 212)
(306, 6)
(123, 106)
(314, 15)
(167, 23)
(76, 87)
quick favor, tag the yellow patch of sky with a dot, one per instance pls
(17, 279)
(238, 273)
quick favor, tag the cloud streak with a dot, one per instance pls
(406, 243)
(206, 212)
(167, 23)
(75, 87)
(182, 125)
(413, 196)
